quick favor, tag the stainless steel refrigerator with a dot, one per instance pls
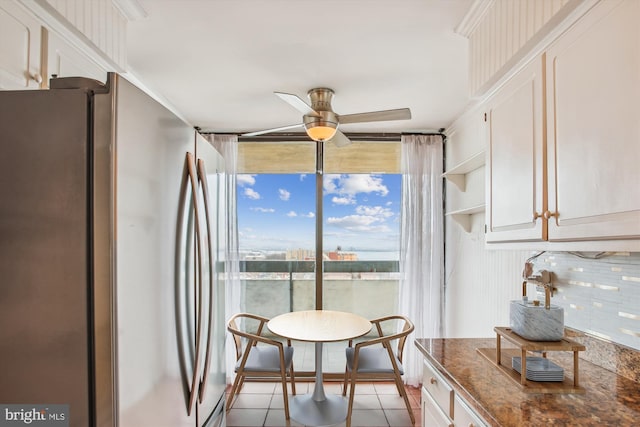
(111, 242)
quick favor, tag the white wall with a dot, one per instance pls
(479, 283)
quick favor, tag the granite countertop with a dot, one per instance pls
(609, 399)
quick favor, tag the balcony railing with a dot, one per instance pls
(367, 288)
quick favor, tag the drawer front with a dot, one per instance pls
(464, 416)
(438, 388)
(432, 415)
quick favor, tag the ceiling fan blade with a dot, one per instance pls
(297, 103)
(340, 139)
(376, 116)
(262, 132)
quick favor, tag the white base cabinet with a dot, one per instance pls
(465, 416)
(432, 415)
(441, 406)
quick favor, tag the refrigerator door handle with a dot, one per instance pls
(182, 262)
(189, 179)
(202, 177)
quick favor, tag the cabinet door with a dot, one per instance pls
(64, 60)
(432, 415)
(515, 182)
(593, 126)
(19, 49)
(465, 416)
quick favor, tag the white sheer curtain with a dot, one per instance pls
(227, 145)
(421, 244)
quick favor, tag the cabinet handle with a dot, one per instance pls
(537, 215)
(549, 214)
(36, 77)
(433, 381)
(472, 425)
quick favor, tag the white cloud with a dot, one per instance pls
(389, 203)
(247, 234)
(264, 210)
(343, 200)
(360, 223)
(371, 219)
(293, 214)
(284, 194)
(352, 221)
(329, 184)
(375, 211)
(353, 184)
(251, 193)
(245, 179)
(303, 176)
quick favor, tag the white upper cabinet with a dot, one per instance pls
(19, 48)
(563, 140)
(593, 126)
(515, 145)
(64, 60)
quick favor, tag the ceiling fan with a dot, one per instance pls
(321, 123)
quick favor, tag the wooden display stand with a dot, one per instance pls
(495, 356)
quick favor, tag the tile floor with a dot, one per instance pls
(375, 404)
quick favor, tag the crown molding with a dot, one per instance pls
(130, 9)
(474, 16)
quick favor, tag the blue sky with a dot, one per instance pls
(277, 211)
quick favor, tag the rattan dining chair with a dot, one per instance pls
(379, 358)
(259, 356)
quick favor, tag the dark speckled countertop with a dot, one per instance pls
(609, 399)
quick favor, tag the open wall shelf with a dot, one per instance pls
(458, 173)
(463, 216)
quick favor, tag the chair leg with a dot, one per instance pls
(352, 393)
(346, 381)
(234, 389)
(283, 377)
(403, 393)
(293, 379)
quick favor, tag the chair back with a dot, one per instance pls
(387, 338)
(270, 359)
(240, 326)
(370, 361)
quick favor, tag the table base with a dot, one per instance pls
(307, 411)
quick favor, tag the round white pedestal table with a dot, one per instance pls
(319, 326)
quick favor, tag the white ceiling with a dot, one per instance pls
(218, 62)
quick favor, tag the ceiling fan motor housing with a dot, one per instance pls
(320, 99)
(321, 102)
(325, 118)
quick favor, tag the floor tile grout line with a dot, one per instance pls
(378, 392)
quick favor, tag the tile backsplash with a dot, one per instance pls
(600, 293)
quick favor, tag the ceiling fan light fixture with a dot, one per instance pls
(321, 123)
(321, 131)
